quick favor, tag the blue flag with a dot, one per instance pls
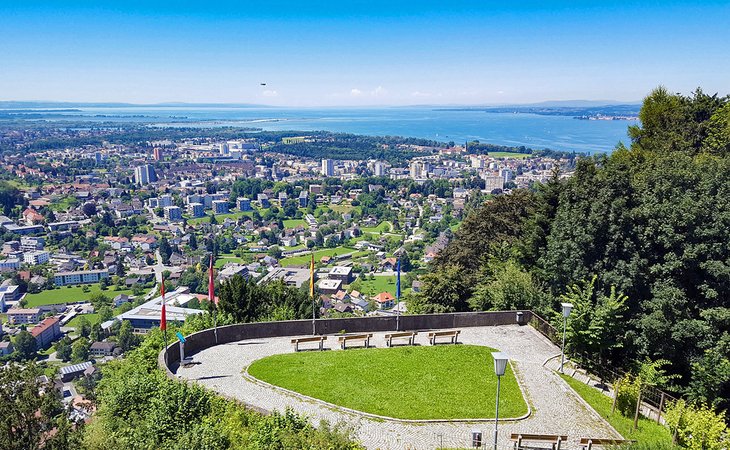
(397, 282)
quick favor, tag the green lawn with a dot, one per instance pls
(70, 294)
(293, 223)
(220, 217)
(648, 433)
(382, 227)
(225, 259)
(304, 259)
(380, 284)
(92, 318)
(442, 382)
(509, 155)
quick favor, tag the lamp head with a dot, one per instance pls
(500, 363)
(567, 307)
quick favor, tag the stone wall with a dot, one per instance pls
(232, 333)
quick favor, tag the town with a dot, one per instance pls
(90, 231)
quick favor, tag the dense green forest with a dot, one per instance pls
(638, 239)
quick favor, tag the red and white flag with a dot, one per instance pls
(163, 317)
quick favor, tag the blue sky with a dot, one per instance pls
(356, 53)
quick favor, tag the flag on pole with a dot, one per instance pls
(211, 283)
(311, 277)
(163, 317)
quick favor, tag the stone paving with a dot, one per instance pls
(555, 408)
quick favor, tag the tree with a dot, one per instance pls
(193, 242)
(83, 327)
(25, 345)
(63, 349)
(697, 427)
(596, 323)
(80, 350)
(105, 313)
(126, 338)
(31, 409)
(89, 209)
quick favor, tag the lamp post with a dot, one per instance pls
(567, 307)
(500, 365)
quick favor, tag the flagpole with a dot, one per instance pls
(311, 294)
(397, 299)
(163, 317)
(211, 298)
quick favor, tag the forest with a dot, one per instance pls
(637, 240)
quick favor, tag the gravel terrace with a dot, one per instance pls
(555, 408)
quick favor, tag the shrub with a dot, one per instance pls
(697, 427)
(627, 393)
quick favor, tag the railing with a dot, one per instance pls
(654, 398)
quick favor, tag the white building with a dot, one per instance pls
(220, 206)
(144, 174)
(196, 209)
(36, 257)
(79, 277)
(328, 167)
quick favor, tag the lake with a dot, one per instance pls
(530, 130)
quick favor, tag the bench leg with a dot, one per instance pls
(559, 442)
(296, 347)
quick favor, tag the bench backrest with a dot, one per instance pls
(601, 441)
(538, 437)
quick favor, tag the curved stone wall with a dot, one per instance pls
(233, 333)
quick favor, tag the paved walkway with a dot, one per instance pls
(556, 409)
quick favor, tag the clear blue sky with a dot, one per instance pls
(373, 52)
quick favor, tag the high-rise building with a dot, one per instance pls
(220, 207)
(244, 204)
(144, 174)
(223, 149)
(328, 167)
(379, 169)
(419, 169)
(157, 152)
(196, 209)
(165, 200)
(173, 213)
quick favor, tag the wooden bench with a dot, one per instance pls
(355, 337)
(588, 443)
(554, 439)
(453, 334)
(297, 341)
(411, 335)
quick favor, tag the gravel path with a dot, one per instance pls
(556, 409)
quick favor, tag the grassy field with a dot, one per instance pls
(509, 155)
(380, 284)
(304, 259)
(225, 259)
(70, 294)
(92, 318)
(219, 217)
(293, 223)
(648, 433)
(382, 227)
(443, 382)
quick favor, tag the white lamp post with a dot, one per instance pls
(567, 307)
(500, 365)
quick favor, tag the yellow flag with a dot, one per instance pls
(311, 277)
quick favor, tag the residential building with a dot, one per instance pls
(80, 277)
(30, 244)
(328, 167)
(244, 204)
(264, 200)
(165, 201)
(6, 348)
(70, 372)
(9, 264)
(303, 199)
(385, 300)
(101, 349)
(36, 257)
(220, 207)
(341, 273)
(22, 315)
(46, 332)
(379, 169)
(196, 209)
(157, 153)
(173, 213)
(329, 286)
(144, 174)
(290, 276)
